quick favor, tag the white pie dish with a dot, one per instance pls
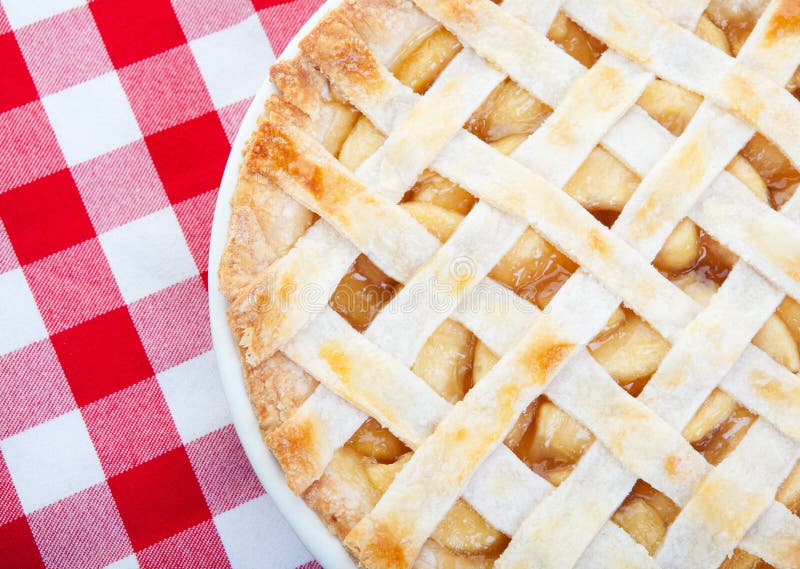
(309, 528)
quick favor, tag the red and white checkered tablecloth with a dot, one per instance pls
(116, 446)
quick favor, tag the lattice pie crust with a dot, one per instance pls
(517, 284)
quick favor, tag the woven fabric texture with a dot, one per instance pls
(116, 445)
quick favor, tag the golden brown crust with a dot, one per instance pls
(282, 221)
(291, 447)
(299, 82)
(264, 222)
(277, 388)
(340, 50)
(245, 254)
(343, 495)
(385, 25)
(264, 225)
(356, 40)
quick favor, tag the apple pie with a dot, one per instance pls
(517, 284)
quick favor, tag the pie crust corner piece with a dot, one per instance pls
(516, 284)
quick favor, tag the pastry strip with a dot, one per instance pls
(302, 448)
(770, 305)
(582, 149)
(635, 434)
(766, 240)
(729, 500)
(435, 290)
(310, 174)
(775, 537)
(597, 485)
(600, 73)
(538, 14)
(618, 550)
(677, 55)
(710, 346)
(565, 223)
(410, 464)
(271, 310)
(267, 318)
(347, 363)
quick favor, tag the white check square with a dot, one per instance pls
(23, 12)
(20, 321)
(194, 395)
(91, 118)
(256, 535)
(234, 61)
(51, 461)
(148, 255)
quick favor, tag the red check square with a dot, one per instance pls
(159, 498)
(102, 356)
(16, 84)
(146, 432)
(136, 29)
(81, 54)
(166, 89)
(45, 216)
(73, 285)
(35, 382)
(82, 530)
(198, 546)
(190, 157)
(17, 546)
(185, 334)
(30, 149)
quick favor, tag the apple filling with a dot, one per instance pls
(453, 359)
